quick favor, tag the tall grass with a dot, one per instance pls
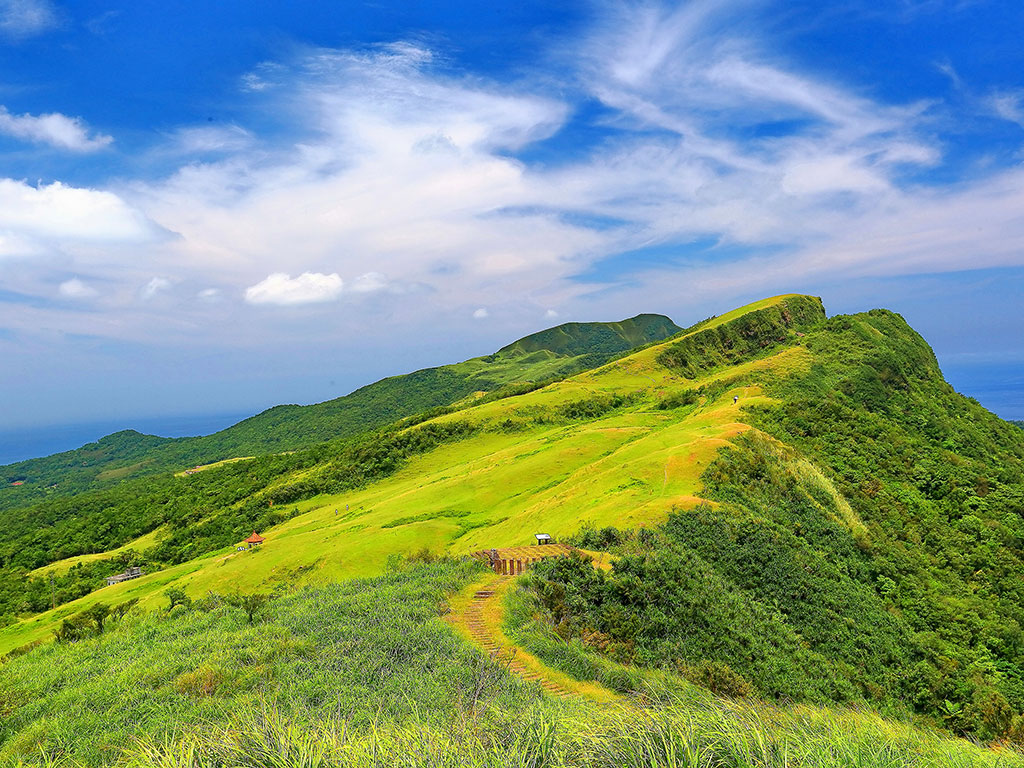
(366, 650)
(364, 675)
(714, 734)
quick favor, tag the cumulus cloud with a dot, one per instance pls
(25, 18)
(55, 129)
(76, 289)
(308, 288)
(58, 212)
(481, 313)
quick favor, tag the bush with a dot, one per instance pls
(718, 678)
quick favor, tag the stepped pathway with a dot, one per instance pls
(478, 613)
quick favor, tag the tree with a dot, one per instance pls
(251, 604)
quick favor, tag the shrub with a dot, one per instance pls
(717, 677)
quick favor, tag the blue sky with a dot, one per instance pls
(217, 207)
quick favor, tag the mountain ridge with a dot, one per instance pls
(286, 427)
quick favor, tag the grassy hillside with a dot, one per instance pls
(366, 674)
(800, 507)
(549, 354)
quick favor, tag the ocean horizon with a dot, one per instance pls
(35, 442)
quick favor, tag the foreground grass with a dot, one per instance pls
(690, 734)
(366, 673)
(366, 650)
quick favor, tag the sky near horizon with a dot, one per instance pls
(218, 207)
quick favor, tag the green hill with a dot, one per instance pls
(549, 354)
(800, 508)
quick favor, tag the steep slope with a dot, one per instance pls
(548, 354)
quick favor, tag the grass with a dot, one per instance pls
(627, 468)
(365, 650)
(204, 467)
(366, 674)
(63, 566)
(685, 733)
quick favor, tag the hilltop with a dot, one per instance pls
(546, 355)
(798, 508)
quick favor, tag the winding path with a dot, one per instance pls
(478, 612)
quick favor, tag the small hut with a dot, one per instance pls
(543, 538)
(133, 572)
(255, 540)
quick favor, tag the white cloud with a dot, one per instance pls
(60, 212)
(76, 289)
(24, 18)
(155, 286)
(1009, 105)
(481, 313)
(308, 288)
(387, 168)
(209, 294)
(55, 129)
(551, 314)
(204, 139)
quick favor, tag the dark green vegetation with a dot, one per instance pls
(867, 546)
(550, 354)
(743, 338)
(598, 340)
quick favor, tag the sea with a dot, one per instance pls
(33, 442)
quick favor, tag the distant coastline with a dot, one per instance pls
(33, 442)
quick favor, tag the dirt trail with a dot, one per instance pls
(478, 613)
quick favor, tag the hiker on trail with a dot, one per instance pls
(735, 399)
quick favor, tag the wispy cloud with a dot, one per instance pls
(1008, 105)
(25, 18)
(76, 289)
(386, 170)
(54, 129)
(204, 139)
